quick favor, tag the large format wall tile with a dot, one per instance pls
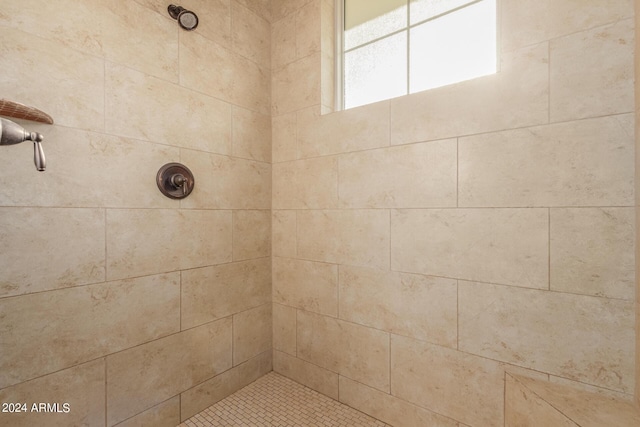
(296, 85)
(527, 22)
(251, 234)
(76, 165)
(284, 328)
(508, 246)
(165, 414)
(203, 395)
(354, 351)
(283, 233)
(452, 383)
(417, 306)
(145, 107)
(517, 96)
(214, 292)
(251, 135)
(412, 176)
(308, 374)
(82, 387)
(250, 35)
(149, 241)
(66, 84)
(83, 323)
(579, 337)
(223, 182)
(144, 376)
(388, 408)
(237, 79)
(357, 237)
(50, 249)
(592, 251)
(607, 52)
(310, 286)
(306, 184)
(355, 129)
(283, 42)
(581, 163)
(252, 333)
(284, 145)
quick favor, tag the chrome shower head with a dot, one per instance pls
(12, 133)
(187, 19)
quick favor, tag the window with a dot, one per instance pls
(395, 47)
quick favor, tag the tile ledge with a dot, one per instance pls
(585, 409)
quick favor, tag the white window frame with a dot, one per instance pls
(339, 85)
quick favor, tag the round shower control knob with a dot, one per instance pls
(175, 180)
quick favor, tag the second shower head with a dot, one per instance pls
(187, 19)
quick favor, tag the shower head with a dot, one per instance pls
(187, 19)
(12, 133)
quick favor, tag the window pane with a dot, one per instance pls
(425, 9)
(366, 20)
(376, 71)
(453, 48)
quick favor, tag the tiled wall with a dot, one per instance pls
(425, 245)
(637, 191)
(134, 308)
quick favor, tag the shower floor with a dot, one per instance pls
(274, 400)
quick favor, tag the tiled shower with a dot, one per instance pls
(406, 258)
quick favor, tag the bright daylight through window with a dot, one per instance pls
(395, 47)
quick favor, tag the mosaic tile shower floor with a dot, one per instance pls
(274, 400)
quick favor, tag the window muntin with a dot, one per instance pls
(395, 47)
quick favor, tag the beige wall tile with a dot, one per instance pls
(251, 234)
(148, 108)
(308, 21)
(296, 85)
(82, 387)
(583, 407)
(142, 377)
(252, 333)
(578, 337)
(72, 88)
(590, 388)
(417, 175)
(282, 8)
(310, 375)
(238, 80)
(350, 130)
(83, 323)
(147, 241)
(203, 395)
(50, 249)
(284, 329)
(527, 22)
(582, 163)
(421, 307)
(354, 351)
(607, 88)
(310, 286)
(214, 18)
(517, 96)
(283, 229)
(509, 246)
(283, 41)
(306, 184)
(388, 408)
(592, 251)
(75, 176)
(524, 408)
(251, 135)
(224, 182)
(356, 237)
(155, 51)
(250, 35)
(452, 383)
(285, 146)
(261, 7)
(211, 293)
(166, 414)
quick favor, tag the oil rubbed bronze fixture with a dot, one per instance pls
(188, 20)
(175, 180)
